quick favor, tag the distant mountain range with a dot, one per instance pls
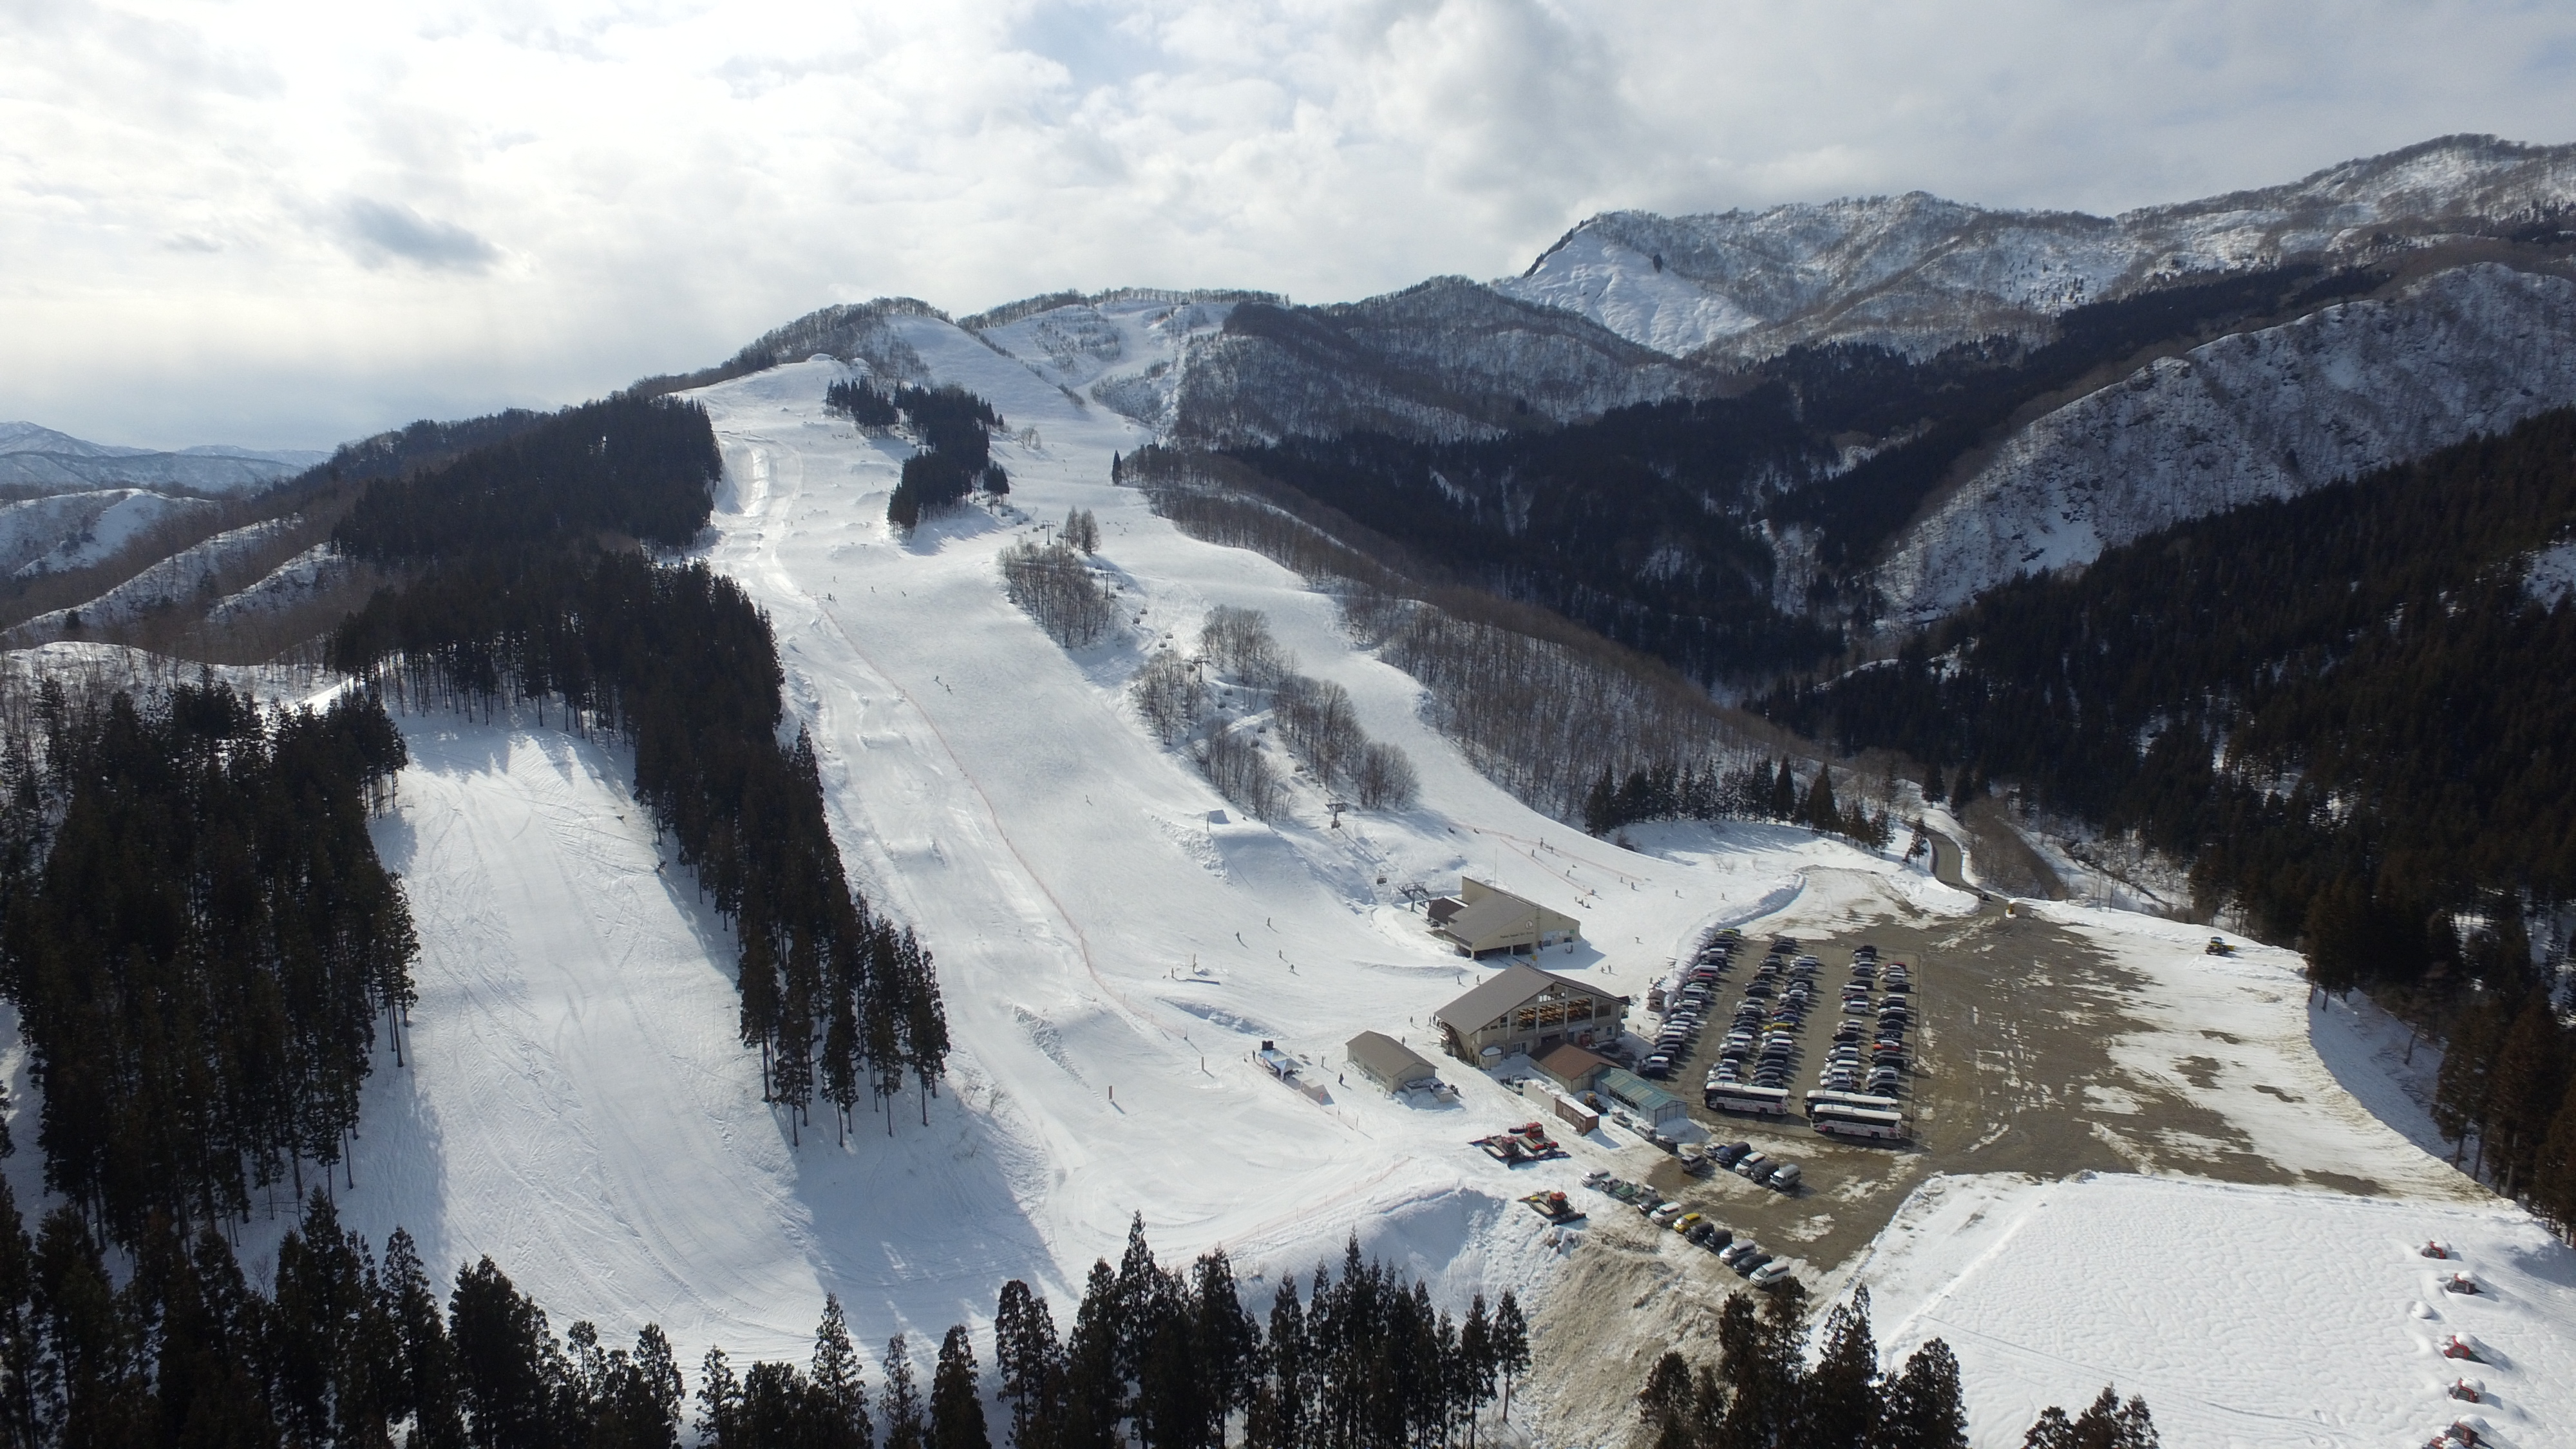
(39, 457)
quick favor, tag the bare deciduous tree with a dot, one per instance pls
(1052, 585)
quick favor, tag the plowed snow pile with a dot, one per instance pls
(2246, 1316)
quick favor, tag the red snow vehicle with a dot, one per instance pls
(2458, 1346)
(2435, 1249)
(1553, 1207)
(2459, 1283)
(2465, 1391)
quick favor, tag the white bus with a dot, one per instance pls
(1861, 1122)
(1760, 1101)
(1862, 1100)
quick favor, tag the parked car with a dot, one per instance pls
(1785, 1177)
(1750, 1262)
(1740, 1248)
(1769, 1274)
(1730, 1154)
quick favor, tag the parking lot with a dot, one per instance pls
(2008, 1048)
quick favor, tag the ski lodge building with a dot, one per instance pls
(1528, 1010)
(1481, 918)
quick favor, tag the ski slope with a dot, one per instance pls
(1112, 948)
(2246, 1316)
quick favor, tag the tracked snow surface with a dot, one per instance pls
(2245, 1315)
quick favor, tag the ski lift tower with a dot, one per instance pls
(1337, 807)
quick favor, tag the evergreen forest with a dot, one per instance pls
(199, 939)
(349, 1350)
(674, 662)
(2346, 703)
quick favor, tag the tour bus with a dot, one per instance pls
(1862, 1100)
(1742, 1097)
(1835, 1120)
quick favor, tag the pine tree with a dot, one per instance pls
(1821, 814)
(1031, 1363)
(2553, 1175)
(837, 1379)
(2530, 1075)
(2468, 1061)
(719, 1403)
(904, 1428)
(1926, 1408)
(2106, 1424)
(1841, 1406)
(957, 1397)
(1511, 1346)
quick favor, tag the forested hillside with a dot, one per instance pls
(517, 601)
(199, 940)
(2349, 697)
(1731, 536)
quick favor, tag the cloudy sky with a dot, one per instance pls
(288, 224)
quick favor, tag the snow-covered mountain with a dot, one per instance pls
(75, 530)
(1916, 273)
(2249, 417)
(39, 457)
(1447, 358)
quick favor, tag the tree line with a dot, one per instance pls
(1314, 718)
(347, 1350)
(199, 940)
(2508, 1086)
(956, 457)
(676, 663)
(1761, 790)
(1767, 1389)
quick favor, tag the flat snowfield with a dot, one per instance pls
(2247, 1316)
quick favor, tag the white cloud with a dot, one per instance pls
(266, 223)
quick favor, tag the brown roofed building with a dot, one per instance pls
(1481, 918)
(1524, 1009)
(1573, 1068)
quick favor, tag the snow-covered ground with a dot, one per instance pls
(576, 1103)
(2246, 1316)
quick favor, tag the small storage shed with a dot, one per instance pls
(1642, 1097)
(1390, 1063)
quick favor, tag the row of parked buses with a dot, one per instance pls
(1836, 1114)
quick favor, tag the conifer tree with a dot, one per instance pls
(904, 1425)
(1511, 1346)
(1841, 1406)
(1031, 1363)
(839, 1388)
(957, 1397)
(1925, 1407)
